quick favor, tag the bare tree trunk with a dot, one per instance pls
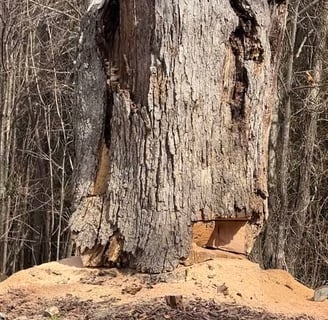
(279, 260)
(265, 251)
(178, 134)
(312, 108)
(7, 135)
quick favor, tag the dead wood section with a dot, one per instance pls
(246, 46)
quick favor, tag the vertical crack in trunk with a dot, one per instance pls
(246, 46)
(106, 29)
(111, 21)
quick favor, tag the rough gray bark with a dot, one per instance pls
(179, 135)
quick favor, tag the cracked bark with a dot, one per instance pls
(183, 120)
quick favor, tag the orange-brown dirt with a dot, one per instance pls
(224, 280)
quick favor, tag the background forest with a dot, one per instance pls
(37, 53)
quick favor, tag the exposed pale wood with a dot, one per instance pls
(231, 236)
(102, 176)
(199, 255)
(228, 235)
(203, 231)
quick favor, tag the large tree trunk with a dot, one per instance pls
(172, 125)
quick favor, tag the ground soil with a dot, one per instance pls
(222, 288)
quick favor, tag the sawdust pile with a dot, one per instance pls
(229, 287)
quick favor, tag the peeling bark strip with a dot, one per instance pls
(92, 101)
(178, 77)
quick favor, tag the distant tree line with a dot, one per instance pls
(296, 235)
(37, 53)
